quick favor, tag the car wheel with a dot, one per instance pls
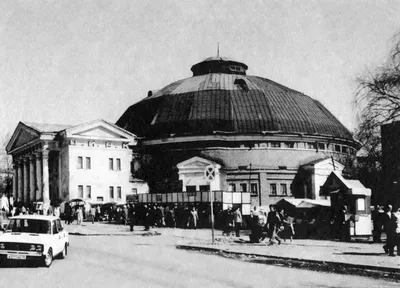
(64, 252)
(48, 259)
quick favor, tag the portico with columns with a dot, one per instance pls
(53, 162)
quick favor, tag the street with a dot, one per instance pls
(153, 261)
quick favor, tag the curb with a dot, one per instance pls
(316, 265)
(113, 234)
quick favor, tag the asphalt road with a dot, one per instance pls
(153, 261)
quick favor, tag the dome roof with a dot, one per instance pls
(230, 102)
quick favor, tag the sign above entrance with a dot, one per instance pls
(210, 173)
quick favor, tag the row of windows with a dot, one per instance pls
(111, 192)
(117, 164)
(242, 187)
(88, 164)
(87, 193)
(306, 145)
(276, 190)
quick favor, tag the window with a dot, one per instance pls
(321, 146)
(59, 226)
(80, 191)
(311, 145)
(55, 230)
(232, 187)
(100, 199)
(361, 205)
(204, 188)
(254, 189)
(111, 163)
(119, 192)
(118, 164)
(134, 190)
(243, 187)
(337, 148)
(345, 149)
(88, 192)
(275, 144)
(284, 189)
(288, 144)
(191, 188)
(272, 189)
(111, 192)
(88, 164)
(80, 162)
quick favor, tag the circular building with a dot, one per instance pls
(267, 139)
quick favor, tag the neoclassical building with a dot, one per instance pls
(91, 161)
(268, 139)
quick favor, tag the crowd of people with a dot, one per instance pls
(275, 225)
(388, 221)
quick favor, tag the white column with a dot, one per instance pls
(39, 181)
(20, 182)
(46, 192)
(26, 180)
(32, 179)
(15, 181)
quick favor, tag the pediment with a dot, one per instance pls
(99, 132)
(100, 129)
(21, 136)
(196, 162)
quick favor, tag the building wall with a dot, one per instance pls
(390, 164)
(100, 177)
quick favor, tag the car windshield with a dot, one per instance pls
(30, 226)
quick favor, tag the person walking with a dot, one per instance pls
(274, 222)
(237, 218)
(79, 214)
(193, 218)
(131, 216)
(396, 228)
(390, 230)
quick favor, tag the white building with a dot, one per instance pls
(91, 161)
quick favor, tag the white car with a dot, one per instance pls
(34, 237)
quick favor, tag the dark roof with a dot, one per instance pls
(229, 103)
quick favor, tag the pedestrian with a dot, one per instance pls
(288, 229)
(92, 213)
(146, 218)
(125, 214)
(396, 227)
(131, 215)
(237, 218)
(227, 220)
(390, 230)
(274, 223)
(56, 211)
(98, 213)
(377, 215)
(193, 218)
(79, 214)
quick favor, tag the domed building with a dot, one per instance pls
(264, 138)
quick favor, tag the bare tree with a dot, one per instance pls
(378, 98)
(378, 101)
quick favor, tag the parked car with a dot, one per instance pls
(34, 237)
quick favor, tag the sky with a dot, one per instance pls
(73, 61)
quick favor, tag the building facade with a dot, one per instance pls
(91, 161)
(390, 164)
(266, 138)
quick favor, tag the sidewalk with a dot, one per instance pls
(365, 259)
(104, 228)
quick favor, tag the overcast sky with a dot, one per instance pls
(72, 61)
